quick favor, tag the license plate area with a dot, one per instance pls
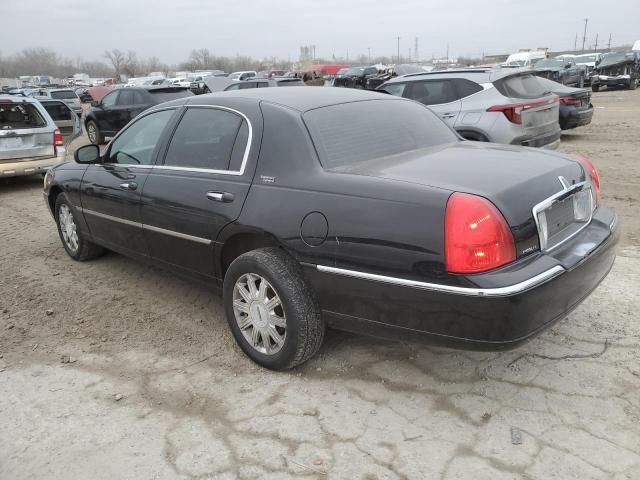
(10, 142)
(564, 215)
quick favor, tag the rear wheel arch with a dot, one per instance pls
(53, 196)
(243, 242)
(473, 135)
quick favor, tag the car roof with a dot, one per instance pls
(480, 75)
(296, 98)
(18, 99)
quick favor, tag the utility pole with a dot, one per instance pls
(415, 50)
(596, 44)
(584, 36)
(609, 47)
(447, 53)
(369, 52)
(398, 58)
(575, 43)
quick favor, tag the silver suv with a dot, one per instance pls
(490, 105)
(67, 95)
(30, 141)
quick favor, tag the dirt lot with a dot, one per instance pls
(109, 369)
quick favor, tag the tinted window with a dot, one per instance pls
(244, 85)
(357, 132)
(136, 144)
(520, 86)
(235, 86)
(239, 147)
(204, 139)
(396, 89)
(125, 98)
(110, 99)
(164, 95)
(370, 71)
(262, 84)
(466, 87)
(65, 94)
(294, 82)
(138, 98)
(432, 92)
(57, 110)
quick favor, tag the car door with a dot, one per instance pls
(110, 191)
(106, 113)
(439, 94)
(126, 106)
(198, 189)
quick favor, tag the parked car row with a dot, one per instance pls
(360, 210)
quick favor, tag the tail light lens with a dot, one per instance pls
(57, 139)
(477, 237)
(513, 111)
(569, 101)
(593, 173)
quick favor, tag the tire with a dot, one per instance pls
(84, 249)
(633, 83)
(295, 319)
(94, 133)
(595, 88)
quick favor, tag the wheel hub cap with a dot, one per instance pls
(259, 313)
(68, 228)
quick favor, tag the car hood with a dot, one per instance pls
(513, 178)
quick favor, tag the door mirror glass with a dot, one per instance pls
(87, 154)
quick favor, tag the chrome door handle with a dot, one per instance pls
(224, 197)
(129, 185)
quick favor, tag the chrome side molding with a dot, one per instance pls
(468, 291)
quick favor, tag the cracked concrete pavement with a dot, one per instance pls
(110, 369)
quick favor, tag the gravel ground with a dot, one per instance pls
(110, 369)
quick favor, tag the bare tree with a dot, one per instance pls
(117, 59)
(131, 66)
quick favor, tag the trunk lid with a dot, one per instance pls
(515, 179)
(26, 143)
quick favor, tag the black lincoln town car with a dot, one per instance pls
(365, 212)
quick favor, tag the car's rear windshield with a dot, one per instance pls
(549, 63)
(356, 132)
(20, 115)
(166, 95)
(63, 94)
(520, 86)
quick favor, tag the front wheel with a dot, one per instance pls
(271, 310)
(633, 83)
(73, 241)
(595, 88)
(94, 134)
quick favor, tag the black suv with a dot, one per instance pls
(355, 77)
(117, 108)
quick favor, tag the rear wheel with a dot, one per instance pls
(595, 88)
(271, 310)
(94, 134)
(73, 241)
(633, 83)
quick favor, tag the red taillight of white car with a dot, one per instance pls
(57, 139)
(477, 236)
(592, 172)
(513, 111)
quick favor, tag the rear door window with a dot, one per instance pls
(204, 139)
(432, 92)
(466, 87)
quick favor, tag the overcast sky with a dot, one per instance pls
(258, 28)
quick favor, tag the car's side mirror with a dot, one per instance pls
(87, 154)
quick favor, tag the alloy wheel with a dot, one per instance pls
(259, 313)
(68, 228)
(91, 132)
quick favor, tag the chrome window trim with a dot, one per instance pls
(548, 202)
(467, 291)
(247, 148)
(144, 226)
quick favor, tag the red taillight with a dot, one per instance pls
(569, 101)
(57, 139)
(513, 111)
(477, 237)
(593, 173)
